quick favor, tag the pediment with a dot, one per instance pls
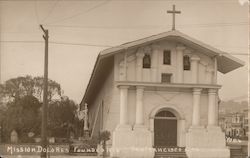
(226, 62)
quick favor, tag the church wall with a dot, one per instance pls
(104, 97)
(206, 69)
(146, 77)
(166, 68)
(172, 98)
(205, 64)
(202, 74)
(113, 115)
(142, 82)
(187, 76)
(111, 118)
(131, 65)
(180, 100)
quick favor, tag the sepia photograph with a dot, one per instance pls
(124, 79)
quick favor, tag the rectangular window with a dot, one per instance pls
(186, 63)
(166, 78)
(167, 57)
(146, 61)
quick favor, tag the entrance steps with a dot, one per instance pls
(237, 153)
(170, 152)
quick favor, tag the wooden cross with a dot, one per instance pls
(173, 12)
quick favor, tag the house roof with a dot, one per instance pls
(226, 62)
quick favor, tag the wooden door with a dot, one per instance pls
(165, 131)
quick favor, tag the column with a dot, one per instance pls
(195, 68)
(181, 139)
(139, 106)
(124, 105)
(179, 55)
(154, 63)
(85, 117)
(212, 107)
(125, 65)
(196, 106)
(139, 58)
(215, 70)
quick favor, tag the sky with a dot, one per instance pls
(80, 29)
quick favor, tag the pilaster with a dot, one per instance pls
(194, 68)
(209, 75)
(139, 59)
(215, 70)
(179, 55)
(154, 63)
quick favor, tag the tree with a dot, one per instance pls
(20, 108)
(22, 115)
(62, 117)
(21, 86)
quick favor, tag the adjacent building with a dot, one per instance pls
(234, 123)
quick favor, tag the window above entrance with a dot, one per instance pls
(186, 62)
(166, 78)
(167, 57)
(146, 61)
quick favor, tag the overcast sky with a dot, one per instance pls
(79, 30)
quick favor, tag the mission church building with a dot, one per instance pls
(159, 91)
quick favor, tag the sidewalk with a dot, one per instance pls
(37, 156)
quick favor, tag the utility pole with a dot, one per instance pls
(45, 92)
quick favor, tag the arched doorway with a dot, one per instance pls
(165, 129)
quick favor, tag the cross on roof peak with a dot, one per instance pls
(173, 12)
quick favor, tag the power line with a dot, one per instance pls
(139, 27)
(21, 41)
(36, 11)
(51, 10)
(94, 45)
(55, 42)
(81, 44)
(81, 13)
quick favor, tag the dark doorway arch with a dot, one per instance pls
(165, 129)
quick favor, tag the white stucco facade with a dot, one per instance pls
(131, 96)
